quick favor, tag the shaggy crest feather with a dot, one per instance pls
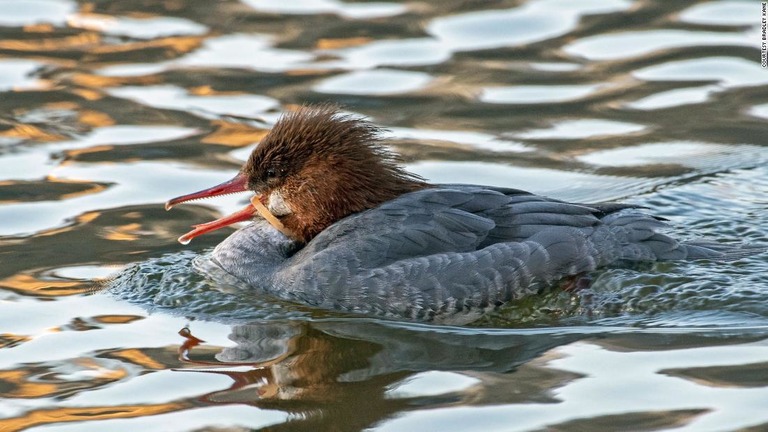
(328, 165)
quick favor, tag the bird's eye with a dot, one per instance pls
(271, 173)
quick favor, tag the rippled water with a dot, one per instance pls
(107, 109)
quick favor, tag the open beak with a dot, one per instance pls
(237, 184)
(242, 215)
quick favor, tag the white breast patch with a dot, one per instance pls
(277, 205)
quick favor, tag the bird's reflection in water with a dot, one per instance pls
(344, 375)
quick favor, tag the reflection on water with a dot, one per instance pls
(109, 108)
(298, 367)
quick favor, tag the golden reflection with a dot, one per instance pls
(98, 81)
(73, 153)
(138, 357)
(65, 415)
(83, 219)
(304, 72)
(24, 387)
(87, 218)
(91, 188)
(88, 94)
(328, 43)
(123, 232)
(178, 44)
(44, 381)
(85, 41)
(8, 340)
(25, 131)
(234, 134)
(63, 106)
(39, 28)
(99, 372)
(205, 90)
(117, 319)
(29, 285)
(95, 118)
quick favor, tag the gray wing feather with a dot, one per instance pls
(440, 252)
(441, 285)
(435, 257)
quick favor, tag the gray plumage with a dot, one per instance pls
(450, 253)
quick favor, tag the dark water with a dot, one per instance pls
(109, 108)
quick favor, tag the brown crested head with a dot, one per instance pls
(317, 166)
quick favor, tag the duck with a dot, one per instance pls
(337, 223)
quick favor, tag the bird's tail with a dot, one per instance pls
(641, 240)
(720, 251)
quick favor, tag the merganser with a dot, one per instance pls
(345, 227)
